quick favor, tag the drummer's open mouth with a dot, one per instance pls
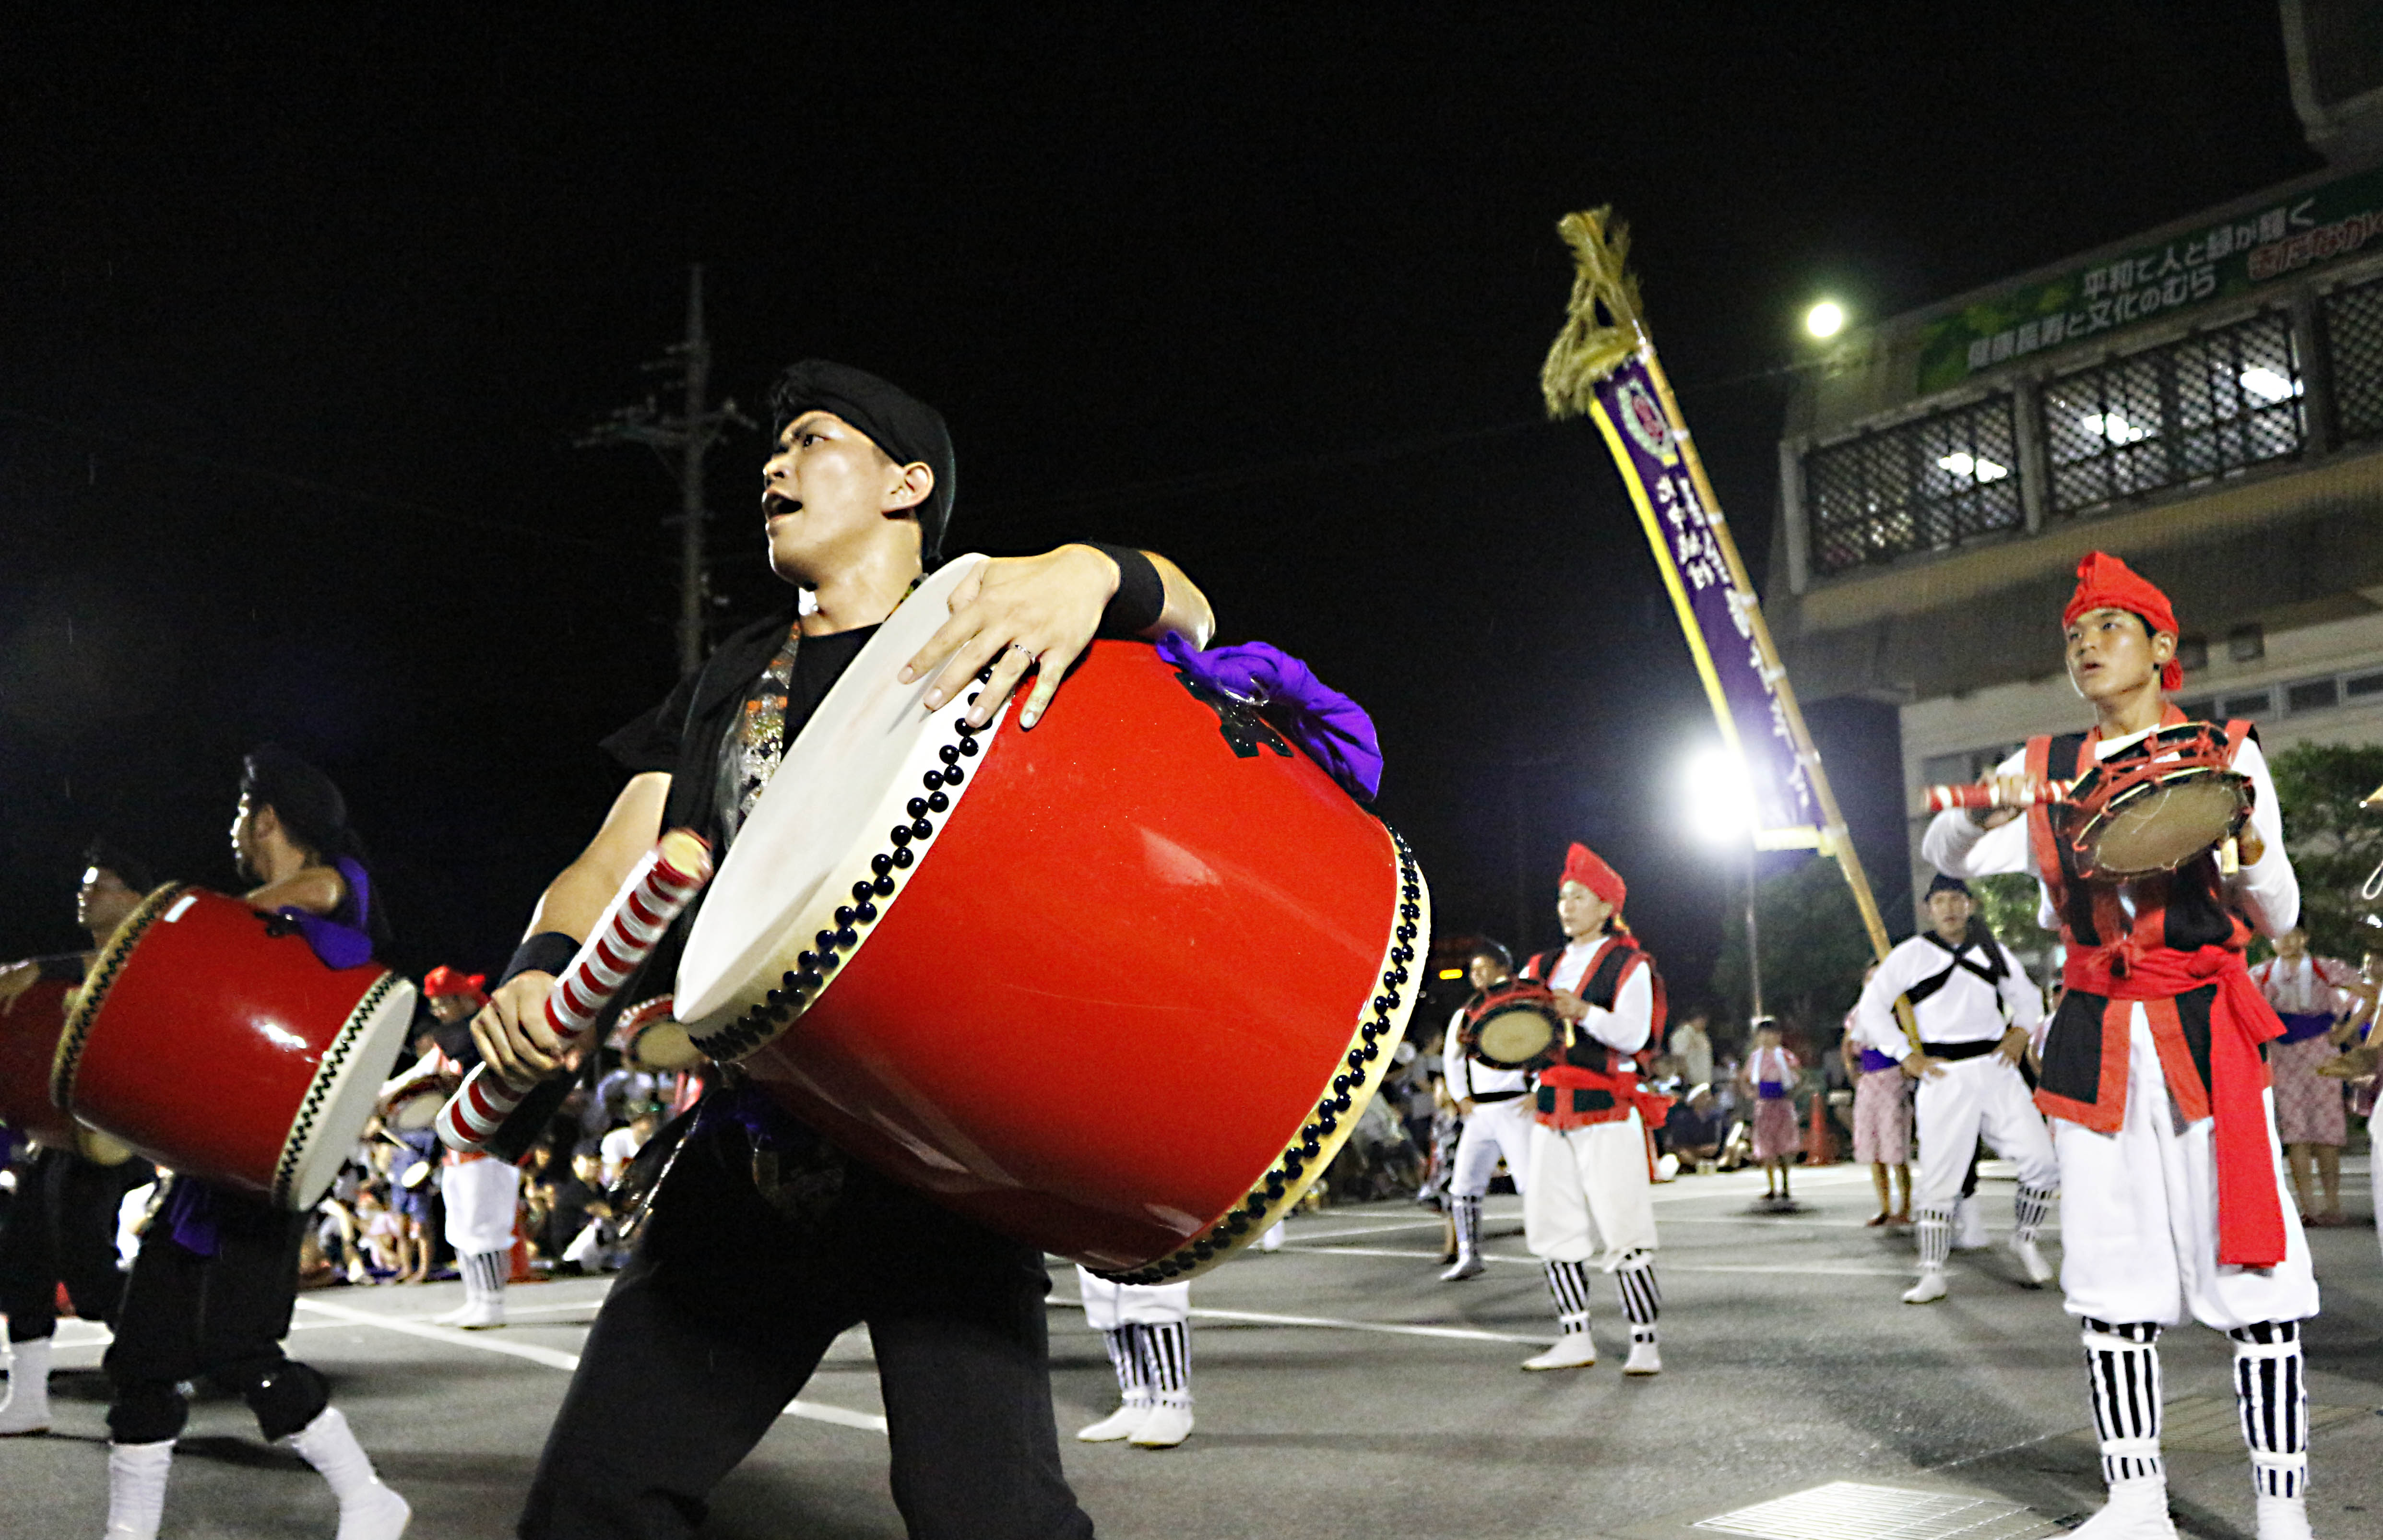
(774, 507)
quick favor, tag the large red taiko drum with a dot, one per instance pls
(212, 1040)
(30, 1028)
(1119, 985)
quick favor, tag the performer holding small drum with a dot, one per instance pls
(1496, 1107)
(62, 1228)
(481, 1193)
(764, 1241)
(1591, 1196)
(216, 1278)
(1978, 1011)
(2172, 1196)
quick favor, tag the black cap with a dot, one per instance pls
(907, 428)
(1947, 884)
(129, 869)
(308, 803)
(1493, 950)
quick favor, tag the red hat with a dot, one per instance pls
(1582, 865)
(2105, 582)
(443, 980)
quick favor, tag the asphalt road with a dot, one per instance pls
(1342, 1391)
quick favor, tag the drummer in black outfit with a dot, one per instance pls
(212, 1290)
(63, 1226)
(765, 1241)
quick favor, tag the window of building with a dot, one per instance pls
(2353, 336)
(1927, 484)
(2207, 404)
(2204, 710)
(2363, 686)
(2234, 706)
(2311, 695)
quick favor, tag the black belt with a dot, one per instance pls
(1976, 1049)
(1483, 1098)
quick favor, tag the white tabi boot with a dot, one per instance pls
(136, 1489)
(2122, 1372)
(1568, 1281)
(484, 1273)
(1166, 1365)
(1127, 1419)
(27, 1411)
(1934, 1229)
(368, 1511)
(1468, 1242)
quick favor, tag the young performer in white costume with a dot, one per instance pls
(1977, 1011)
(1590, 1197)
(1496, 1107)
(2172, 1191)
(1147, 1329)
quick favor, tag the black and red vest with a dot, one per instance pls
(1595, 1082)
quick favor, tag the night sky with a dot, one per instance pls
(301, 312)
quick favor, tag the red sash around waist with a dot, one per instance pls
(1572, 1096)
(2250, 1216)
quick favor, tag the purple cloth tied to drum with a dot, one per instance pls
(1334, 730)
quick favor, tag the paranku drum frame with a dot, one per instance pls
(2156, 804)
(1120, 985)
(1514, 1026)
(212, 1040)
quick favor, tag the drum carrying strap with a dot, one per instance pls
(1995, 971)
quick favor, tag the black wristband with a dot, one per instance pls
(548, 952)
(1140, 596)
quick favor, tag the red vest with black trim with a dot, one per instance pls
(2179, 956)
(1595, 1082)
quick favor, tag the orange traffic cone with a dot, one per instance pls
(1820, 1147)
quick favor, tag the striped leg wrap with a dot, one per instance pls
(1568, 1281)
(2123, 1368)
(484, 1274)
(1127, 1362)
(1935, 1228)
(2034, 1207)
(1166, 1362)
(2272, 1395)
(1642, 1298)
(1468, 1228)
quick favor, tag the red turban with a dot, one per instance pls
(443, 980)
(1582, 865)
(2105, 582)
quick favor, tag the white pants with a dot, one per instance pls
(1589, 1193)
(1974, 1096)
(481, 1196)
(1109, 1305)
(2138, 1218)
(1495, 1128)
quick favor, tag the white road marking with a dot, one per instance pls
(1327, 1322)
(553, 1358)
(1825, 1268)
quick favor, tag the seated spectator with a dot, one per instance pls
(580, 1234)
(620, 1147)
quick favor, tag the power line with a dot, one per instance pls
(290, 481)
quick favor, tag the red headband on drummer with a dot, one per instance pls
(1582, 865)
(443, 980)
(2105, 582)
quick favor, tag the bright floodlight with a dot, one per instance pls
(1719, 809)
(1825, 319)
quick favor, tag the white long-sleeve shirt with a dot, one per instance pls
(1631, 1022)
(1967, 1009)
(1468, 1078)
(2265, 891)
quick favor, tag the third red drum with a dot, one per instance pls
(1120, 985)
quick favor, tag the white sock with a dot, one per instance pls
(28, 1385)
(136, 1489)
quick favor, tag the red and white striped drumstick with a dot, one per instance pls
(658, 888)
(1989, 793)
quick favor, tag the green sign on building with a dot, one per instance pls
(2234, 256)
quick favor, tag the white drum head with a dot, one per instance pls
(841, 787)
(347, 1087)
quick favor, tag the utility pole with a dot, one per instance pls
(691, 433)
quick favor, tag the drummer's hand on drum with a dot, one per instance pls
(14, 979)
(2013, 792)
(1570, 1006)
(1013, 612)
(512, 1030)
(2012, 1050)
(2247, 846)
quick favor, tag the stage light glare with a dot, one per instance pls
(1825, 320)
(1718, 806)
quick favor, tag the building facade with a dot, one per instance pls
(2204, 400)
